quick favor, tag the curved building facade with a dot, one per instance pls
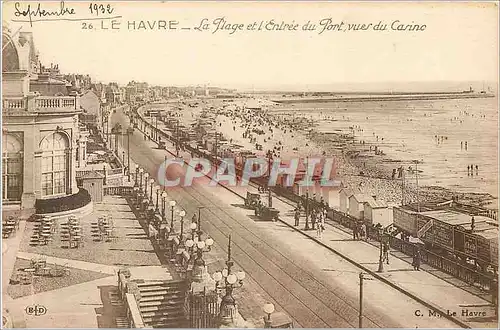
(39, 132)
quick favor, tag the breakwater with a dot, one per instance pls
(372, 98)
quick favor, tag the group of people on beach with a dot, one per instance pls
(259, 122)
(440, 138)
(470, 170)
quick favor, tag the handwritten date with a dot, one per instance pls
(29, 12)
(96, 9)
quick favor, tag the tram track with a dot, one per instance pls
(277, 266)
(272, 279)
(316, 305)
(272, 270)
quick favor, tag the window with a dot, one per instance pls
(12, 173)
(55, 164)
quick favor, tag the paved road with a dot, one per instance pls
(293, 284)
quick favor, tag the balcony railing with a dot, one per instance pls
(41, 103)
(55, 102)
(14, 103)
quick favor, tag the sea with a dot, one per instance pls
(433, 132)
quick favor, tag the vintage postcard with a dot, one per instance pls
(226, 164)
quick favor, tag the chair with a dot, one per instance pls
(25, 279)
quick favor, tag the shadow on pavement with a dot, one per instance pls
(111, 307)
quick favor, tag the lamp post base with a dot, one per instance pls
(198, 273)
(380, 266)
(228, 316)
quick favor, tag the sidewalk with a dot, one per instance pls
(420, 284)
(429, 288)
(10, 248)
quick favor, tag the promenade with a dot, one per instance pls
(338, 245)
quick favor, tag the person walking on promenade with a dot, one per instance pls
(472, 170)
(477, 170)
(416, 259)
(320, 226)
(297, 216)
(364, 233)
(314, 218)
(385, 250)
(355, 232)
(468, 170)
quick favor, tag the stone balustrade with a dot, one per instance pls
(14, 103)
(41, 103)
(56, 102)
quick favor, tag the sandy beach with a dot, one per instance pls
(299, 131)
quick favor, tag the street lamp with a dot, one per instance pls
(164, 232)
(152, 181)
(228, 308)
(177, 142)
(150, 214)
(199, 221)
(130, 130)
(157, 196)
(193, 227)
(172, 205)
(381, 254)
(199, 247)
(182, 214)
(306, 206)
(140, 180)
(146, 176)
(269, 196)
(268, 309)
(136, 193)
(163, 198)
(136, 174)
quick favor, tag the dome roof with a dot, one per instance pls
(10, 56)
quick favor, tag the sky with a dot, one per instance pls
(459, 43)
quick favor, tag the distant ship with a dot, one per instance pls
(483, 91)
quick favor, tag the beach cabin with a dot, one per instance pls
(357, 206)
(377, 211)
(344, 195)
